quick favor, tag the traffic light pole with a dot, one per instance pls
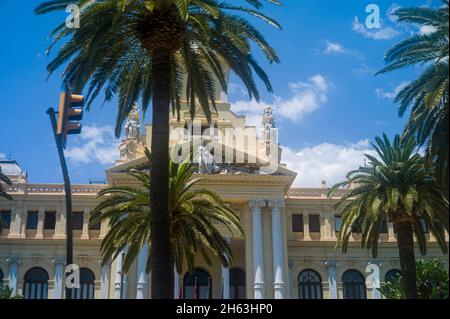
(69, 234)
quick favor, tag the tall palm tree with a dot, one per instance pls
(397, 187)
(4, 179)
(158, 50)
(427, 96)
(195, 216)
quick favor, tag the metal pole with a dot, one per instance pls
(69, 234)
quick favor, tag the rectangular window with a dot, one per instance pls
(384, 227)
(50, 220)
(314, 224)
(337, 223)
(6, 218)
(77, 220)
(32, 220)
(297, 223)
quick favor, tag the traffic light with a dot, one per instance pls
(69, 115)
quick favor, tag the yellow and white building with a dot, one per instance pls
(288, 249)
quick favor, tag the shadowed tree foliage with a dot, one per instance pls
(432, 282)
(427, 96)
(397, 187)
(156, 51)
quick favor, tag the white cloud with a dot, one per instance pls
(391, 12)
(333, 47)
(95, 144)
(306, 97)
(382, 94)
(2, 156)
(326, 161)
(375, 34)
(236, 89)
(362, 69)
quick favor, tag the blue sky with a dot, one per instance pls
(327, 100)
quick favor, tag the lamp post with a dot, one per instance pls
(70, 110)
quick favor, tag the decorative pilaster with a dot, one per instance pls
(332, 283)
(306, 233)
(176, 283)
(141, 290)
(14, 263)
(59, 277)
(258, 258)
(279, 285)
(104, 285)
(225, 282)
(40, 225)
(391, 233)
(86, 217)
(291, 264)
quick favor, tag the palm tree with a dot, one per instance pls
(195, 216)
(396, 187)
(7, 181)
(158, 50)
(427, 96)
(4, 179)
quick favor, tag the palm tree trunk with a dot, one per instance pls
(405, 241)
(161, 255)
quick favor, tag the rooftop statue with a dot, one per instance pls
(206, 163)
(133, 124)
(130, 148)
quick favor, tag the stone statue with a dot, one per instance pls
(133, 125)
(130, 148)
(206, 163)
(268, 120)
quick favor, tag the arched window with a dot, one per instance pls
(237, 283)
(392, 274)
(36, 284)
(354, 285)
(197, 285)
(86, 290)
(309, 285)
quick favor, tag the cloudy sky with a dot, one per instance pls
(328, 102)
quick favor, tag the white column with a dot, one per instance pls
(59, 276)
(141, 292)
(176, 283)
(258, 258)
(332, 284)
(373, 278)
(120, 284)
(104, 285)
(12, 276)
(226, 282)
(279, 285)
